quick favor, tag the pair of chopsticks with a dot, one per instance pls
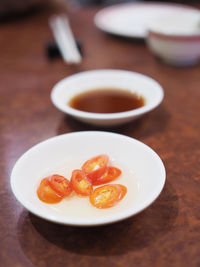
(64, 38)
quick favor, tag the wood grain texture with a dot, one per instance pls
(165, 234)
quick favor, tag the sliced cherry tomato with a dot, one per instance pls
(95, 167)
(46, 193)
(107, 196)
(110, 174)
(80, 183)
(60, 185)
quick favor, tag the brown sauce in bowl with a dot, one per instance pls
(107, 101)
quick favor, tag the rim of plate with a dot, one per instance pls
(96, 221)
(101, 23)
(108, 116)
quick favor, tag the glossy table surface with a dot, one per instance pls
(165, 234)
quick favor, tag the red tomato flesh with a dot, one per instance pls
(95, 167)
(110, 174)
(107, 196)
(46, 193)
(60, 185)
(80, 183)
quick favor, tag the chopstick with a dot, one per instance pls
(64, 38)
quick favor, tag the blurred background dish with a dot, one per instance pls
(175, 38)
(132, 19)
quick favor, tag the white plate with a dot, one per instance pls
(132, 19)
(137, 83)
(142, 172)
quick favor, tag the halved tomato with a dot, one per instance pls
(95, 167)
(110, 174)
(46, 193)
(60, 185)
(107, 196)
(80, 183)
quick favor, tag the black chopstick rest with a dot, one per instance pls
(79, 45)
(53, 51)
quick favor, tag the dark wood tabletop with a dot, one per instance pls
(165, 234)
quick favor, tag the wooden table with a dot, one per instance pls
(165, 234)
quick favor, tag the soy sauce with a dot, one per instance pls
(107, 101)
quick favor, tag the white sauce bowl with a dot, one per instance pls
(137, 83)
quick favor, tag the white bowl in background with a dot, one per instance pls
(143, 173)
(137, 83)
(175, 38)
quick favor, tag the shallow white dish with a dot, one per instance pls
(133, 19)
(142, 172)
(137, 83)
